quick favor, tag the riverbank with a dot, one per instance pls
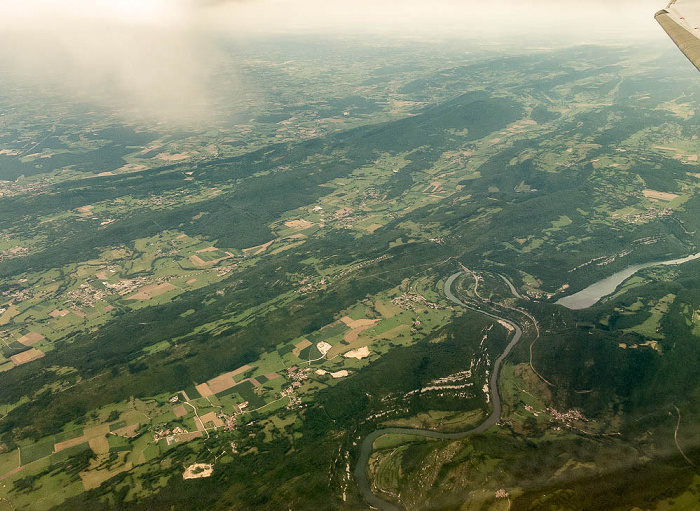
(597, 291)
(360, 471)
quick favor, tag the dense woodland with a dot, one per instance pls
(519, 210)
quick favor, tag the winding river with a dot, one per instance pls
(366, 447)
(581, 300)
(593, 293)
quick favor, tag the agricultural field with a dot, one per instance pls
(180, 309)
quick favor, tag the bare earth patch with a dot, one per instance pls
(173, 157)
(433, 187)
(26, 356)
(359, 353)
(198, 471)
(340, 374)
(201, 262)
(30, 339)
(299, 225)
(132, 167)
(186, 437)
(257, 250)
(653, 194)
(57, 313)
(323, 347)
(198, 260)
(85, 210)
(240, 370)
(300, 346)
(358, 327)
(127, 431)
(204, 390)
(284, 248)
(213, 419)
(357, 323)
(341, 348)
(221, 383)
(148, 292)
(180, 411)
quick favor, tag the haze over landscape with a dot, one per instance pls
(162, 57)
(390, 254)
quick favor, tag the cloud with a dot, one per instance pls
(147, 59)
(159, 58)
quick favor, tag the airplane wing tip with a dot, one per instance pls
(688, 41)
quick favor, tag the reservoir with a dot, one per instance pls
(593, 293)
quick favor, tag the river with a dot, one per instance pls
(595, 292)
(366, 447)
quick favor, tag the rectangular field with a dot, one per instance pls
(152, 290)
(36, 451)
(30, 339)
(27, 356)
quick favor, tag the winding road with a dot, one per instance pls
(366, 447)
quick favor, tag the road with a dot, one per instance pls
(366, 447)
(675, 437)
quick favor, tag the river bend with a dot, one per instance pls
(495, 415)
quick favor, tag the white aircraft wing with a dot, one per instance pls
(681, 21)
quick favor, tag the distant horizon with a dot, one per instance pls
(623, 19)
(160, 56)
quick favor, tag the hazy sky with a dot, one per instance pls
(347, 15)
(158, 55)
(452, 16)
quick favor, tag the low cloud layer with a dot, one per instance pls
(159, 57)
(151, 59)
